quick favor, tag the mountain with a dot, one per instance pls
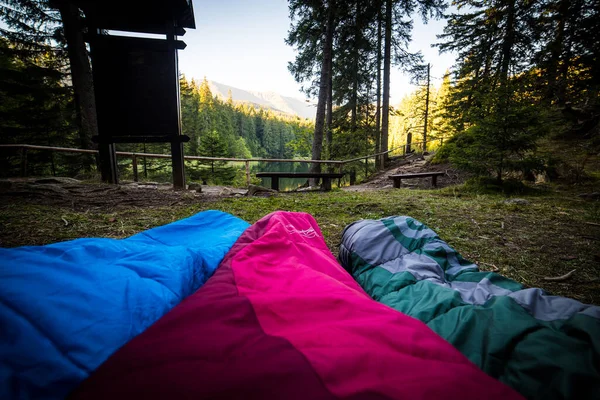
(272, 100)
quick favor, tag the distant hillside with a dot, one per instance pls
(272, 100)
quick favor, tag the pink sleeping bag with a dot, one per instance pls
(280, 318)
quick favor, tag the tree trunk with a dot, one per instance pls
(81, 75)
(507, 44)
(387, 62)
(317, 146)
(426, 109)
(354, 99)
(329, 137)
(556, 48)
(378, 95)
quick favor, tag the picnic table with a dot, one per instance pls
(326, 176)
(398, 177)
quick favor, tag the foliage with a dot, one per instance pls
(502, 141)
(243, 130)
(357, 50)
(36, 107)
(517, 62)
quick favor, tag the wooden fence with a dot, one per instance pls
(339, 164)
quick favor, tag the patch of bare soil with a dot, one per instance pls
(79, 196)
(412, 164)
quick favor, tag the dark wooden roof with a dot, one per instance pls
(148, 16)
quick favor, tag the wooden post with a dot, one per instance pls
(178, 166)
(247, 172)
(108, 163)
(135, 168)
(23, 161)
(177, 159)
(434, 181)
(275, 183)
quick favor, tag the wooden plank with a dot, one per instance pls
(417, 175)
(298, 175)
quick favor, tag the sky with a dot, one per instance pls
(241, 43)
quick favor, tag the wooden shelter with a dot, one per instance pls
(136, 79)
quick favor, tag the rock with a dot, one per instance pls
(520, 202)
(226, 191)
(390, 186)
(428, 157)
(541, 178)
(254, 189)
(147, 185)
(194, 186)
(308, 189)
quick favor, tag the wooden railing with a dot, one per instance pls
(24, 148)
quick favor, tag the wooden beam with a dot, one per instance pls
(247, 172)
(24, 162)
(135, 168)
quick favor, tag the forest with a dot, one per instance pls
(525, 70)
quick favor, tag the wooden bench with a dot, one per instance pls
(327, 177)
(398, 178)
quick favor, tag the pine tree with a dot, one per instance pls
(213, 145)
(43, 27)
(36, 107)
(497, 119)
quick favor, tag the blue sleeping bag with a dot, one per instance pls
(66, 307)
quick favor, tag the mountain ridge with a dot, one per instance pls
(270, 100)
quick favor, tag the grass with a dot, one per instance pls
(546, 237)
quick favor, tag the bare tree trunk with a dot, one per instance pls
(556, 48)
(329, 135)
(317, 146)
(507, 44)
(81, 75)
(378, 94)
(354, 99)
(387, 62)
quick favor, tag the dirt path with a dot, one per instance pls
(411, 164)
(80, 196)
